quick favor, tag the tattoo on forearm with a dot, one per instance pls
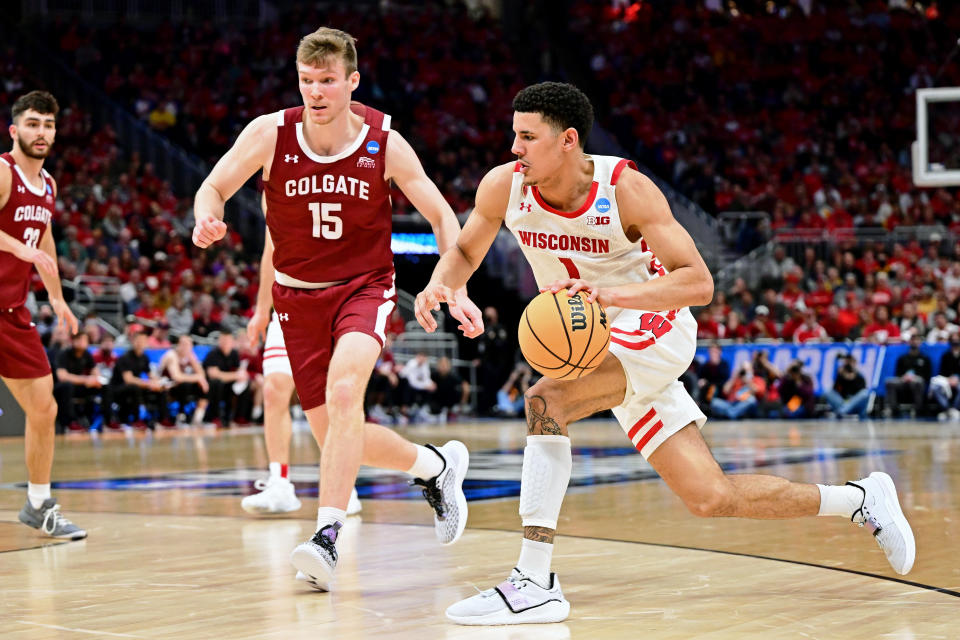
(539, 534)
(538, 422)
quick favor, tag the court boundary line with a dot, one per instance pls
(663, 545)
(53, 541)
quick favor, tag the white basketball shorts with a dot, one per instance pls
(275, 358)
(654, 349)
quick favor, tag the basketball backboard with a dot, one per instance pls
(936, 151)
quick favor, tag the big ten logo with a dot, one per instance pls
(596, 221)
(578, 317)
(655, 324)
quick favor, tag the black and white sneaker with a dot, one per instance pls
(516, 600)
(445, 492)
(317, 558)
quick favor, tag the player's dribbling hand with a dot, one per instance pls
(464, 310)
(428, 301)
(573, 286)
(257, 327)
(208, 230)
(65, 317)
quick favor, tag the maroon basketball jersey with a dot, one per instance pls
(329, 216)
(25, 217)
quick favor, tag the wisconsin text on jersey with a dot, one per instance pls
(555, 242)
(328, 184)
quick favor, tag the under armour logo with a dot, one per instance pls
(364, 162)
(529, 207)
(21, 189)
(289, 158)
(283, 316)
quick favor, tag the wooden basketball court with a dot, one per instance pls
(171, 554)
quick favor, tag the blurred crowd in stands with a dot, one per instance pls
(807, 118)
(200, 83)
(919, 387)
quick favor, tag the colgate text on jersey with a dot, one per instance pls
(30, 212)
(328, 183)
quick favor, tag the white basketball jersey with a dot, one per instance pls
(588, 243)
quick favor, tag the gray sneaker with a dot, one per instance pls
(49, 520)
(316, 558)
(445, 492)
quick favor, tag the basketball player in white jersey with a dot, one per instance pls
(595, 224)
(277, 493)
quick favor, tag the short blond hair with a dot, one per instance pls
(318, 47)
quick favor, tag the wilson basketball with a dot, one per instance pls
(564, 337)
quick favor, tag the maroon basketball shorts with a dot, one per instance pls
(21, 352)
(313, 320)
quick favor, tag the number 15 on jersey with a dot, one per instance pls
(325, 224)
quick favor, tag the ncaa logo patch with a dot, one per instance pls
(603, 205)
(373, 147)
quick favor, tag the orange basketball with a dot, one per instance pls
(564, 337)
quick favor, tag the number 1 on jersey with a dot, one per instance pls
(571, 268)
(326, 225)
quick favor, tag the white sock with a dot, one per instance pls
(535, 560)
(839, 500)
(428, 464)
(329, 515)
(274, 469)
(37, 493)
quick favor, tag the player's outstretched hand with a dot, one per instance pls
(464, 310)
(65, 317)
(573, 286)
(208, 230)
(257, 327)
(428, 301)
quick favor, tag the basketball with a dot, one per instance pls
(564, 337)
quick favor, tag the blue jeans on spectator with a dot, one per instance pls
(732, 410)
(944, 395)
(855, 404)
(507, 406)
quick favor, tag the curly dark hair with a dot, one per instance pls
(560, 104)
(40, 101)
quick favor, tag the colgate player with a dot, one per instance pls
(27, 195)
(326, 170)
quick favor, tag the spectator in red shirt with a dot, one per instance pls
(834, 325)
(707, 328)
(791, 294)
(881, 330)
(735, 329)
(810, 330)
(793, 323)
(762, 326)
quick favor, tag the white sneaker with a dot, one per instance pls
(881, 513)
(445, 492)
(516, 600)
(353, 506)
(317, 557)
(277, 495)
(953, 414)
(301, 576)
